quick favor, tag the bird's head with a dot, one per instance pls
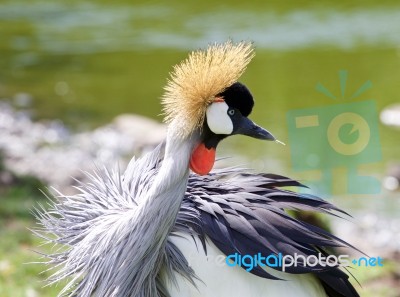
(204, 97)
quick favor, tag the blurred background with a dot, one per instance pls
(72, 74)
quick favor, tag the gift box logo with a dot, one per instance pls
(338, 135)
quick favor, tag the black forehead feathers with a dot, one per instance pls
(238, 96)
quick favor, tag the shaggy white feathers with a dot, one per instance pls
(195, 82)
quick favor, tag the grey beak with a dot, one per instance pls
(249, 128)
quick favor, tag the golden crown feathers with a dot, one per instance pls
(194, 83)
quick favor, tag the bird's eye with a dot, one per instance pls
(231, 112)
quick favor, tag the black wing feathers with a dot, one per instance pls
(245, 213)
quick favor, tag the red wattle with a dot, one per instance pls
(202, 159)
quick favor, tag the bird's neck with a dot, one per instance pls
(156, 212)
(174, 171)
(163, 201)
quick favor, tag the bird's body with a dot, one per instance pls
(160, 231)
(188, 262)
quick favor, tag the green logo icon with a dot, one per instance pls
(339, 135)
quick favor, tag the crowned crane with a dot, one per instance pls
(158, 230)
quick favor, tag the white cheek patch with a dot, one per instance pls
(218, 119)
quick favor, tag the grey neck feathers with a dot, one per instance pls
(156, 214)
(162, 203)
(174, 169)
